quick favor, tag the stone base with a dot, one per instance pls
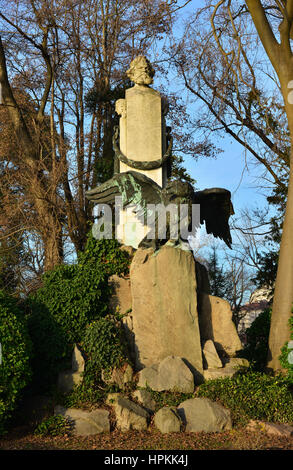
(168, 312)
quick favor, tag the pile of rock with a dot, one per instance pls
(169, 312)
(139, 411)
(178, 335)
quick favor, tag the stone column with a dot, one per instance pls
(142, 138)
(142, 134)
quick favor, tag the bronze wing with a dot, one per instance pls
(135, 189)
(215, 210)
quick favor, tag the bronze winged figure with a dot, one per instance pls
(138, 190)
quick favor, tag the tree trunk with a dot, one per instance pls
(53, 249)
(281, 57)
(283, 297)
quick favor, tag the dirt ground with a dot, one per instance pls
(23, 438)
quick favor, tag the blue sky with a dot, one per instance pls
(229, 171)
(232, 169)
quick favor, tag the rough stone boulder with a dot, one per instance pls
(85, 423)
(120, 376)
(112, 398)
(211, 358)
(215, 322)
(164, 306)
(236, 362)
(231, 367)
(202, 414)
(170, 374)
(130, 415)
(277, 429)
(167, 420)
(68, 378)
(144, 397)
(219, 373)
(77, 360)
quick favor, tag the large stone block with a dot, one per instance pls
(215, 322)
(164, 306)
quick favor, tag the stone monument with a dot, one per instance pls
(172, 315)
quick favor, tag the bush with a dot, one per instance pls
(83, 396)
(15, 371)
(107, 254)
(72, 297)
(78, 294)
(51, 351)
(287, 353)
(256, 349)
(252, 395)
(105, 348)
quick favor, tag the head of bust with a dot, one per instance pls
(141, 71)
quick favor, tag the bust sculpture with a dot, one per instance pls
(141, 71)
